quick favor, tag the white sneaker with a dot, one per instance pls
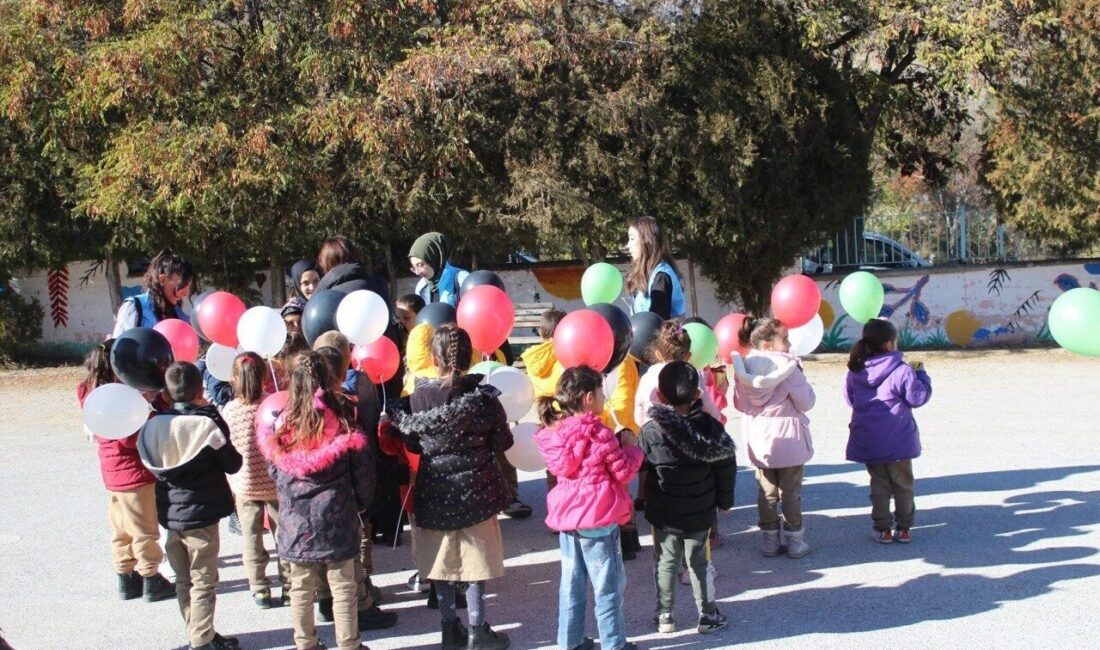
(665, 623)
(416, 584)
(796, 544)
(771, 543)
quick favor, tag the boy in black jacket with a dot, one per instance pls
(188, 449)
(692, 469)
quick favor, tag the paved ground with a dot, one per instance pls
(1005, 555)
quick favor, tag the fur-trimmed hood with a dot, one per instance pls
(336, 441)
(698, 435)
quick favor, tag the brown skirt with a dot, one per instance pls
(468, 555)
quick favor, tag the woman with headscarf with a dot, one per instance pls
(305, 277)
(440, 281)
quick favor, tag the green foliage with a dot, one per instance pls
(834, 339)
(20, 324)
(937, 339)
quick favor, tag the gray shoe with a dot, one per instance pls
(796, 544)
(771, 543)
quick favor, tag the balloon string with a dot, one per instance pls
(401, 513)
(383, 397)
(274, 379)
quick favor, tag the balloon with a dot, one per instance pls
(219, 361)
(487, 315)
(221, 311)
(524, 454)
(182, 338)
(583, 338)
(363, 316)
(379, 359)
(805, 339)
(115, 411)
(620, 328)
(196, 309)
(795, 300)
(1074, 321)
(139, 358)
(601, 283)
(437, 314)
(704, 344)
(485, 367)
(480, 279)
(319, 316)
(263, 331)
(727, 331)
(645, 325)
(517, 395)
(270, 408)
(861, 295)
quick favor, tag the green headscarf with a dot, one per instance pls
(435, 249)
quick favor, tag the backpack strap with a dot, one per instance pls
(138, 311)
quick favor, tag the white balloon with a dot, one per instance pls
(362, 317)
(261, 330)
(805, 339)
(524, 454)
(517, 395)
(115, 411)
(219, 361)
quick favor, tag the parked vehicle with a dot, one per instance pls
(877, 253)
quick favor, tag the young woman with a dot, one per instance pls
(167, 282)
(653, 280)
(440, 281)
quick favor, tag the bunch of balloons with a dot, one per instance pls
(795, 302)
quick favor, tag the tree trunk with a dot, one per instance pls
(114, 282)
(691, 285)
(278, 283)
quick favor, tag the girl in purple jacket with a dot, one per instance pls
(883, 390)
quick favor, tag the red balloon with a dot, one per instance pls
(218, 317)
(378, 360)
(487, 315)
(583, 338)
(184, 341)
(727, 330)
(795, 300)
(270, 408)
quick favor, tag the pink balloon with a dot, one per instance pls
(728, 330)
(219, 316)
(270, 408)
(184, 341)
(487, 315)
(378, 360)
(795, 300)
(583, 338)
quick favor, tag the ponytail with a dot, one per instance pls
(755, 331)
(574, 384)
(549, 410)
(878, 333)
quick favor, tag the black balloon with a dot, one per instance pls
(620, 327)
(478, 278)
(319, 315)
(140, 356)
(645, 325)
(195, 302)
(437, 314)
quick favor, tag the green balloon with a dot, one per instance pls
(485, 367)
(862, 296)
(601, 283)
(1074, 320)
(704, 344)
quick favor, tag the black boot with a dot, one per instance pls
(629, 552)
(156, 588)
(324, 610)
(129, 585)
(454, 635)
(373, 618)
(433, 598)
(483, 637)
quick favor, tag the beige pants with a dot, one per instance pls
(135, 535)
(892, 480)
(193, 555)
(364, 564)
(783, 484)
(305, 579)
(255, 555)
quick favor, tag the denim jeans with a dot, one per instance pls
(599, 560)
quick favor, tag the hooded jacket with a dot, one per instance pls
(352, 276)
(692, 469)
(418, 357)
(883, 396)
(773, 394)
(457, 430)
(321, 490)
(253, 482)
(188, 450)
(119, 462)
(592, 469)
(543, 368)
(618, 410)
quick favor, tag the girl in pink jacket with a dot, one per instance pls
(587, 505)
(773, 394)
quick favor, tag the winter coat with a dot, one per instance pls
(883, 396)
(773, 394)
(648, 395)
(593, 470)
(119, 462)
(189, 451)
(692, 469)
(543, 368)
(253, 482)
(321, 489)
(418, 358)
(618, 410)
(216, 391)
(352, 276)
(457, 430)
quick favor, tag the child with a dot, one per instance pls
(132, 508)
(587, 506)
(883, 391)
(672, 343)
(458, 426)
(188, 449)
(540, 361)
(773, 394)
(324, 477)
(408, 306)
(692, 469)
(253, 487)
(653, 280)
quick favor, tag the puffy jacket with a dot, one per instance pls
(648, 395)
(253, 482)
(592, 469)
(119, 461)
(692, 469)
(543, 368)
(418, 357)
(321, 489)
(188, 450)
(883, 396)
(773, 394)
(618, 410)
